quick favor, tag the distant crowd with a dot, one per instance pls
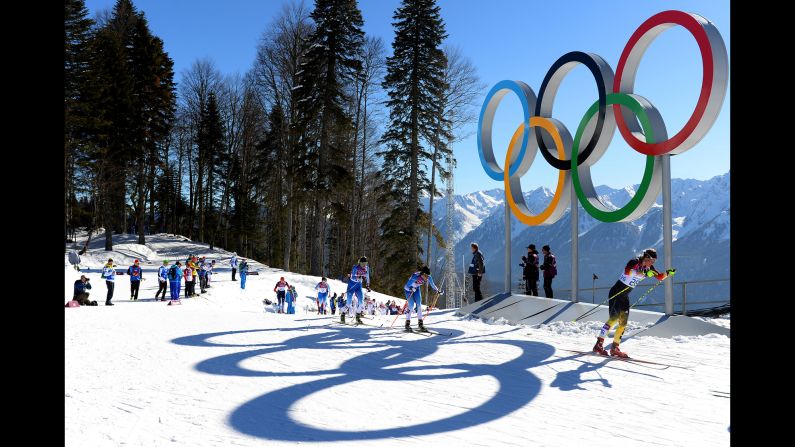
(170, 279)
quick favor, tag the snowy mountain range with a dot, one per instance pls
(701, 215)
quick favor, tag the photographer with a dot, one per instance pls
(80, 295)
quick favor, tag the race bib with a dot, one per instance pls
(631, 280)
(281, 288)
(322, 290)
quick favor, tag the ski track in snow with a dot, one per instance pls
(223, 370)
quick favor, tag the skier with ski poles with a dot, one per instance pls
(414, 296)
(359, 274)
(322, 295)
(637, 270)
(281, 288)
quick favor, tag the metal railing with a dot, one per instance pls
(682, 302)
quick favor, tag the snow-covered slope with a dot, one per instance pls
(222, 370)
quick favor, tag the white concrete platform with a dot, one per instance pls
(531, 310)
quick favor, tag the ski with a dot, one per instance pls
(628, 359)
(428, 332)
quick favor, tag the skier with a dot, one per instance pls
(333, 302)
(175, 278)
(243, 273)
(359, 274)
(637, 270)
(414, 296)
(233, 263)
(110, 276)
(136, 275)
(322, 295)
(280, 288)
(162, 280)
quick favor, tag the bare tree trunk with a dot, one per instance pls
(141, 207)
(88, 241)
(289, 237)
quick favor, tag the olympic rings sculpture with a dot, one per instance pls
(638, 121)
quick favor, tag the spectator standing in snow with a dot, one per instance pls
(162, 280)
(109, 273)
(233, 263)
(550, 269)
(136, 276)
(243, 273)
(477, 268)
(174, 279)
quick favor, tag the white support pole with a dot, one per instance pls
(575, 220)
(507, 286)
(667, 231)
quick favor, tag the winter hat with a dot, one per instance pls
(650, 253)
(165, 261)
(425, 270)
(136, 261)
(532, 246)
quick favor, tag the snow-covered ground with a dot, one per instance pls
(224, 370)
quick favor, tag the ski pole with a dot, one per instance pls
(401, 313)
(432, 305)
(592, 311)
(643, 297)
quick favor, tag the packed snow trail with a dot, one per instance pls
(223, 369)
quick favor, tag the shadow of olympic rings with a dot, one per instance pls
(268, 416)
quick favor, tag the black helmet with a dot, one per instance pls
(363, 259)
(324, 279)
(425, 270)
(650, 252)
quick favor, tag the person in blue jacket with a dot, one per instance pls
(359, 274)
(243, 273)
(162, 280)
(414, 295)
(322, 295)
(136, 275)
(175, 279)
(202, 268)
(290, 298)
(81, 294)
(109, 273)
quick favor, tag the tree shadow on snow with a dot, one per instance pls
(269, 416)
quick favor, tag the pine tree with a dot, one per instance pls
(332, 60)
(77, 28)
(211, 152)
(414, 83)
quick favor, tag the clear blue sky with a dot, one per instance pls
(505, 39)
